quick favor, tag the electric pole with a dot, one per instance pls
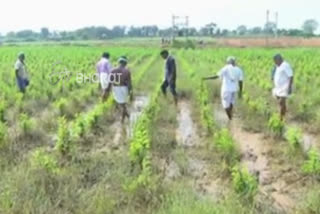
(276, 25)
(267, 28)
(179, 22)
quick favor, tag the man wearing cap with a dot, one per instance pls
(232, 82)
(122, 85)
(170, 75)
(21, 73)
(103, 69)
(283, 81)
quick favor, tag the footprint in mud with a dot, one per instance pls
(253, 150)
(204, 184)
(186, 134)
(169, 168)
(197, 168)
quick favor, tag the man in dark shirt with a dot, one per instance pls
(170, 75)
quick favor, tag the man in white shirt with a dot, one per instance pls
(283, 80)
(103, 69)
(21, 73)
(232, 82)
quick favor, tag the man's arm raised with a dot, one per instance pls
(211, 77)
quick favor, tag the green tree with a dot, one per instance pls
(211, 28)
(310, 26)
(45, 32)
(256, 30)
(242, 30)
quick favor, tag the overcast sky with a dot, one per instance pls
(72, 14)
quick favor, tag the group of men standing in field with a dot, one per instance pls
(232, 82)
(118, 81)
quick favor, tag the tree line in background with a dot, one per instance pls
(308, 29)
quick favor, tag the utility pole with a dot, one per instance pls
(267, 27)
(276, 25)
(182, 24)
(187, 26)
(173, 27)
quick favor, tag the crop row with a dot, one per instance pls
(86, 121)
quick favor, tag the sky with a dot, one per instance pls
(61, 15)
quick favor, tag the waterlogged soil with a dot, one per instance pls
(122, 132)
(136, 109)
(254, 152)
(186, 134)
(196, 167)
(277, 180)
(309, 140)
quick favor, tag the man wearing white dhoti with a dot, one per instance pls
(122, 86)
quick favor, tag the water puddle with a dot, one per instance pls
(186, 134)
(135, 110)
(198, 169)
(122, 132)
(309, 140)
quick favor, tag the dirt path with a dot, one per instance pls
(258, 155)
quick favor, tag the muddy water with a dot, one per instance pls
(186, 134)
(309, 140)
(197, 168)
(136, 109)
(123, 132)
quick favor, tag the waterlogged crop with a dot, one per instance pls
(244, 183)
(276, 125)
(225, 143)
(312, 165)
(294, 137)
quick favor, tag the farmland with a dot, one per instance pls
(63, 150)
